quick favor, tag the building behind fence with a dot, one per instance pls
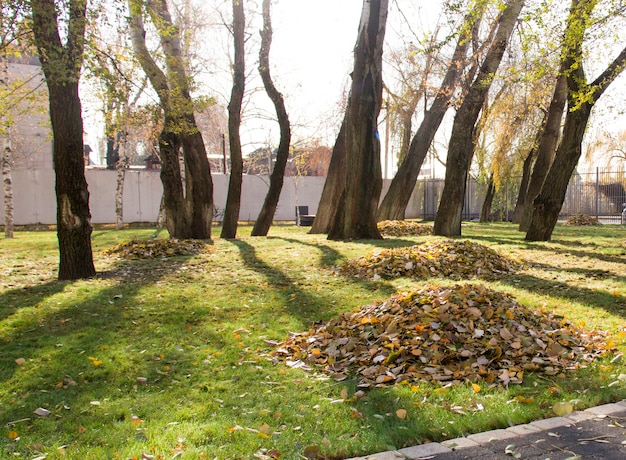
(599, 194)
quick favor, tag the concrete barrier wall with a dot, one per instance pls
(35, 201)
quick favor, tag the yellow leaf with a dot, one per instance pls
(96, 362)
(265, 429)
(13, 434)
(563, 408)
(476, 388)
(401, 414)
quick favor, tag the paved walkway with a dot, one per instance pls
(596, 433)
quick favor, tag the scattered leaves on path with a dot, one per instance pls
(404, 228)
(447, 335)
(155, 248)
(449, 259)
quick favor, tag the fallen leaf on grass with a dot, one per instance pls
(41, 412)
(401, 414)
(311, 452)
(12, 434)
(563, 408)
(20, 361)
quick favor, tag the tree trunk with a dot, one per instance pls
(233, 199)
(5, 129)
(122, 164)
(462, 139)
(199, 184)
(393, 206)
(333, 186)
(189, 210)
(356, 214)
(546, 150)
(8, 186)
(61, 66)
(485, 210)
(173, 195)
(523, 187)
(264, 221)
(548, 203)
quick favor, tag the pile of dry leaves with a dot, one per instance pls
(449, 259)
(447, 335)
(404, 228)
(156, 248)
(582, 219)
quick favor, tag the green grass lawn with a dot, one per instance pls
(171, 357)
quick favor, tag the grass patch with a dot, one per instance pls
(170, 355)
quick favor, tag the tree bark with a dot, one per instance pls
(581, 98)
(526, 172)
(7, 154)
(462, 139)
(61, 66)
(264, 220)
(233, 199)
(485, 210)
(333, 186)
(8, 186)
(189, 209)
(356, 214)
(545, 151)
(393, 206)
(122, 164)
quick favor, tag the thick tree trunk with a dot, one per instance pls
(485, 210)
(264, 221)
(462, 140)
(333, 186)
(199, 184)
(61, 66)
(173, 195)
(233, 199)
(402, 185)
(189, 210)
(356, 214)
(546, 150)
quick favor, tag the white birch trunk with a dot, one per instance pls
(5, 129)
(8, 187)
(122, 163)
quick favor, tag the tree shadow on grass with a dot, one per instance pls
(296, 300)
(52, 335)
(613, 304)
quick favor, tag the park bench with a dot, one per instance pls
(303, 218)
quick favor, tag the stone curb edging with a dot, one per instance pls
(424, 451)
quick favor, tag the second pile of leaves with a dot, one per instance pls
(464, 333)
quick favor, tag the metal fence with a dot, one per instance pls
(600, 194)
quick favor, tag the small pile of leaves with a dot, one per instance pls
(158, 248)
(447, 259)
(582, 219)
(404, 228)
(467, 333)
